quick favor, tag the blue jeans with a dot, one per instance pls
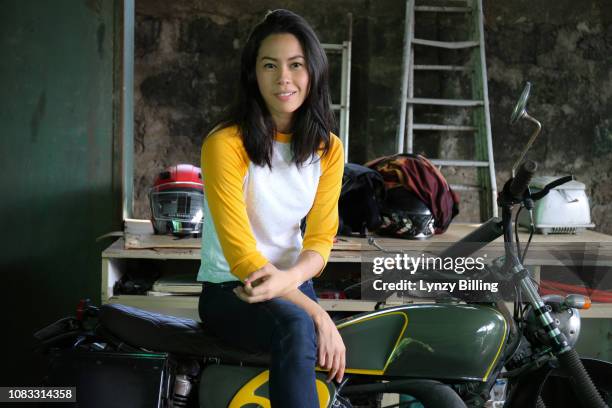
(278, 327)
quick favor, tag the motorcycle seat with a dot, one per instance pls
(168, 334)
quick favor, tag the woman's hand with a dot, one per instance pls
(332, 353)
(267, 283)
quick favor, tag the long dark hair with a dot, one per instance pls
(313, 121)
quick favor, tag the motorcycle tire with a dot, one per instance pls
(557, 391)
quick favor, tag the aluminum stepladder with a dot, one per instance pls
(344, 49)
(479, 104)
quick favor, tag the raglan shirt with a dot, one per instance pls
(252, 213)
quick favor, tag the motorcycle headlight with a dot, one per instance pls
(566, 318)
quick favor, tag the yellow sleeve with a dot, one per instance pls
(322, 220)
(224, 166)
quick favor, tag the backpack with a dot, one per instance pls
(414, 175)
(361, 198)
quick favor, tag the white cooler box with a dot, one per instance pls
(564, 210)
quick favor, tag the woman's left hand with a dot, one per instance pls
(332, 352)
(267, 283)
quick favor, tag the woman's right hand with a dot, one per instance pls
(332, 353)
(267, 283)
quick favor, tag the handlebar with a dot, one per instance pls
(521, 181)
(481, 236)
(494, 227)
(540, 194)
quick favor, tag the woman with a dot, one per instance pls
(273, 162)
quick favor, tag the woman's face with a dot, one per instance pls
(282, 77)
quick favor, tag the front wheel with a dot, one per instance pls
(558, 391)
(552, 387)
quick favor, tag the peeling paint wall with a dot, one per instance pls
(186, 67)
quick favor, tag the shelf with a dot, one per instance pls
(178, 306)
(350, 252)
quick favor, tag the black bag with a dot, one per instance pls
(363, 192)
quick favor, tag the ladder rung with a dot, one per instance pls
(332, 47)
(429, 126)
(443, 9)
(465, 187)
(442, 3)
(459, 163)
(440, 68)
(444, 102)
(454, 45)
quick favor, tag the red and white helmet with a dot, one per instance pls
(177, 201)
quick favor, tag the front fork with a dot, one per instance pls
(557, 339)
(569, 360)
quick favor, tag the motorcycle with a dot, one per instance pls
(443, 355)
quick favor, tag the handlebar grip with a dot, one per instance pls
(521, 181)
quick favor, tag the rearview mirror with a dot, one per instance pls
(520, 109)
(520, 112)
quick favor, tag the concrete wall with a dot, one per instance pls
(565, 49)
(186, 68)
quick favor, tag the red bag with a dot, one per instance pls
(418, 175)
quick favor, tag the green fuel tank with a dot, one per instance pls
(437, 341)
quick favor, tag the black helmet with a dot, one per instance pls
(404, 215)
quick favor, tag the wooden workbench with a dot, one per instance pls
(586, 248)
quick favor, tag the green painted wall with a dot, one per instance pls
(57, 150)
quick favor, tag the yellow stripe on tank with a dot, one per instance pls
(499, 349)
(399, 338)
